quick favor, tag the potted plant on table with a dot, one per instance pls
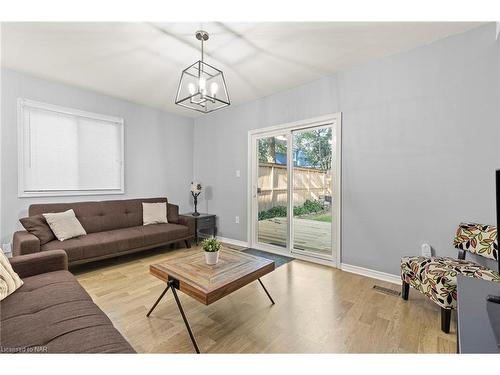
(211, 246)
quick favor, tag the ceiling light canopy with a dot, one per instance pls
(202, 87)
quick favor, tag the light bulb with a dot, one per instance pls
(191, 88)
(203, 85)
(213, 88)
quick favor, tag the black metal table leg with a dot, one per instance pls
(265, 290)
(171, 284)
(158, 300)
(185, 320)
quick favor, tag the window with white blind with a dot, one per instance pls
(64, 151)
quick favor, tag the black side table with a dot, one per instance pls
(202, 224)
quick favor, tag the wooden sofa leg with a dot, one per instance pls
(188, 244)
(405, 290)
(445, 320)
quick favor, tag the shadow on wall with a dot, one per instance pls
(207, 196)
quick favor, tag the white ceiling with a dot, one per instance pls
(141, 62)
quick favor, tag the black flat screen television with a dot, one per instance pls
(497, 184)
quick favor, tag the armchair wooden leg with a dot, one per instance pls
(445, 320)
(188, 244)
(405, 290)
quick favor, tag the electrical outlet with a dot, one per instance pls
(426, 250)
(238, 174)
(237, 219)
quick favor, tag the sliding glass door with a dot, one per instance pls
(294, 201)
(312, 191)
(272, 190)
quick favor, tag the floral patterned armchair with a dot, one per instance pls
(436, 277)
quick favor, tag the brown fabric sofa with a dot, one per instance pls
(52, 313)
(113, 228)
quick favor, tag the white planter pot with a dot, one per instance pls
(212, 257)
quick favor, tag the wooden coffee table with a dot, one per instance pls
(190, 274)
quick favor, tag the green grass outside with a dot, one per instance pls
(327, 218)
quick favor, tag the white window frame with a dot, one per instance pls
(22, 104)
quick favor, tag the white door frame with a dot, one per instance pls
(252, 170)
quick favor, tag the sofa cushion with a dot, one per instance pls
(101, 216)
(479, 239)
(115, 241)
(37, 225)
(161, 233)
(51, 312)
(37, 293)
(99, 244)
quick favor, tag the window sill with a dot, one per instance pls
(68, 193)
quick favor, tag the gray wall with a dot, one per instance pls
(158, 146)
(420, 146)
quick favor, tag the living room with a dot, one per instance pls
(253, 187)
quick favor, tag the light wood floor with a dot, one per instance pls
(309, 235)
(318, 310)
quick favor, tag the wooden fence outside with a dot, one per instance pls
(308, 183)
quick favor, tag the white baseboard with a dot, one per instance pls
(232, 242)
(395, 279)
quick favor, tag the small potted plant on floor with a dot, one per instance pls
(211, 246)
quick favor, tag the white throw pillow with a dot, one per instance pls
(154, 213)
(3, 289)
(9, 280)
(65, 225)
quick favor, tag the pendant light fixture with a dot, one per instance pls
(202, 87)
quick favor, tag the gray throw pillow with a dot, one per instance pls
(37, 225)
